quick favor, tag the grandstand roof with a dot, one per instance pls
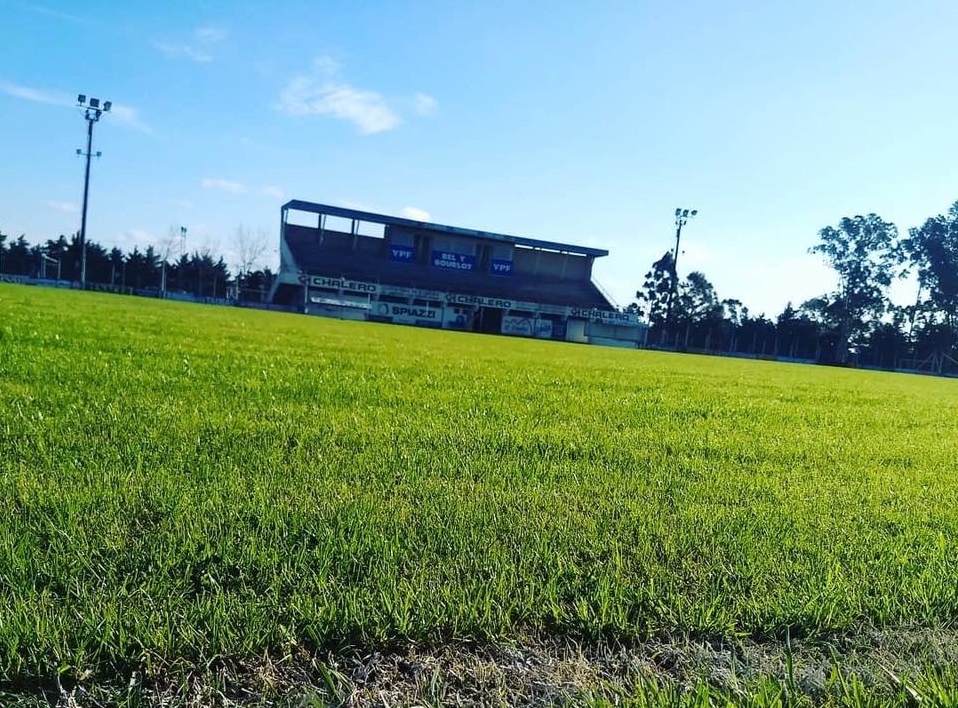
(367, 216)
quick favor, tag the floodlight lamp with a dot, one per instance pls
(79, 151)
(81, 99)
(107, 105)
(694, 212)
(685, 213)
(94, 103)
(678, 212)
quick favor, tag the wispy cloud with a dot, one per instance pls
(321, 92)
(199, 47)
(28, 93)
(65, 207)
(357, 205)
(129, 117)
(414, 213)
(424, 104)
(121, 114)
(224, 185)
(58, 14)
(232, 187)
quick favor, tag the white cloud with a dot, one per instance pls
(326, 66)
(414, 213)
(130, 117)
(367, 110)
(36, 95)
(272, 191)
(121, 114)
(321, 93)
(211, 34)
(184, 50)
(225, 185)
(199, 47)
(425, 104)
(42, 10)
(357, 205)
(65, 207)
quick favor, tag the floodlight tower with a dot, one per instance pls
(93, 109)
(681, 219)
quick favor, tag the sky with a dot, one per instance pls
(582, 122)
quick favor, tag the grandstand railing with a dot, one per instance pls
(605, 294)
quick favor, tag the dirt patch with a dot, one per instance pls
(893, 664)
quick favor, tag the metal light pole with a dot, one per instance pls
(681, 218)
(93, 109)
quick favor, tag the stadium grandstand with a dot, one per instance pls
(359, 265)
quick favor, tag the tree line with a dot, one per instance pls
(151, 271)
(856, 324)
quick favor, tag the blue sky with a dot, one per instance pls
(581, 122)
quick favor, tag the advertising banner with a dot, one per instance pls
(409, 314)
(500, 267)
(354, 286)
(323, 299)
(543, 329)
(481, 301)
(626, 319)
(453, 261)
(519, 326)
(456, 317)
(402, 254)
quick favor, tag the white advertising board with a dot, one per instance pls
(408, 314)
(519, 326)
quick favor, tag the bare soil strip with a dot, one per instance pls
(534, 672)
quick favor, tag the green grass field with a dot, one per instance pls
(180, 482)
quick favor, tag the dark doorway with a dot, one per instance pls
(488, 320)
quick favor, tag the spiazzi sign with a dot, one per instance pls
(409, 314)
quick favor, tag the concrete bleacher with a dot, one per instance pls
(365, 258)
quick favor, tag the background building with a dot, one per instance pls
(364, 266)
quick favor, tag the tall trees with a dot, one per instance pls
(116, 267)
(861, 250)
(932, 250)
(17, 258)
(698, 308)
(654, 296)
(697, 300)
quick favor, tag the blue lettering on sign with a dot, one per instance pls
(499, 267)
(454, 261)
(405, 254)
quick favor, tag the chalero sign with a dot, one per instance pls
(354, 286)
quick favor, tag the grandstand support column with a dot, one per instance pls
(681, 218)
